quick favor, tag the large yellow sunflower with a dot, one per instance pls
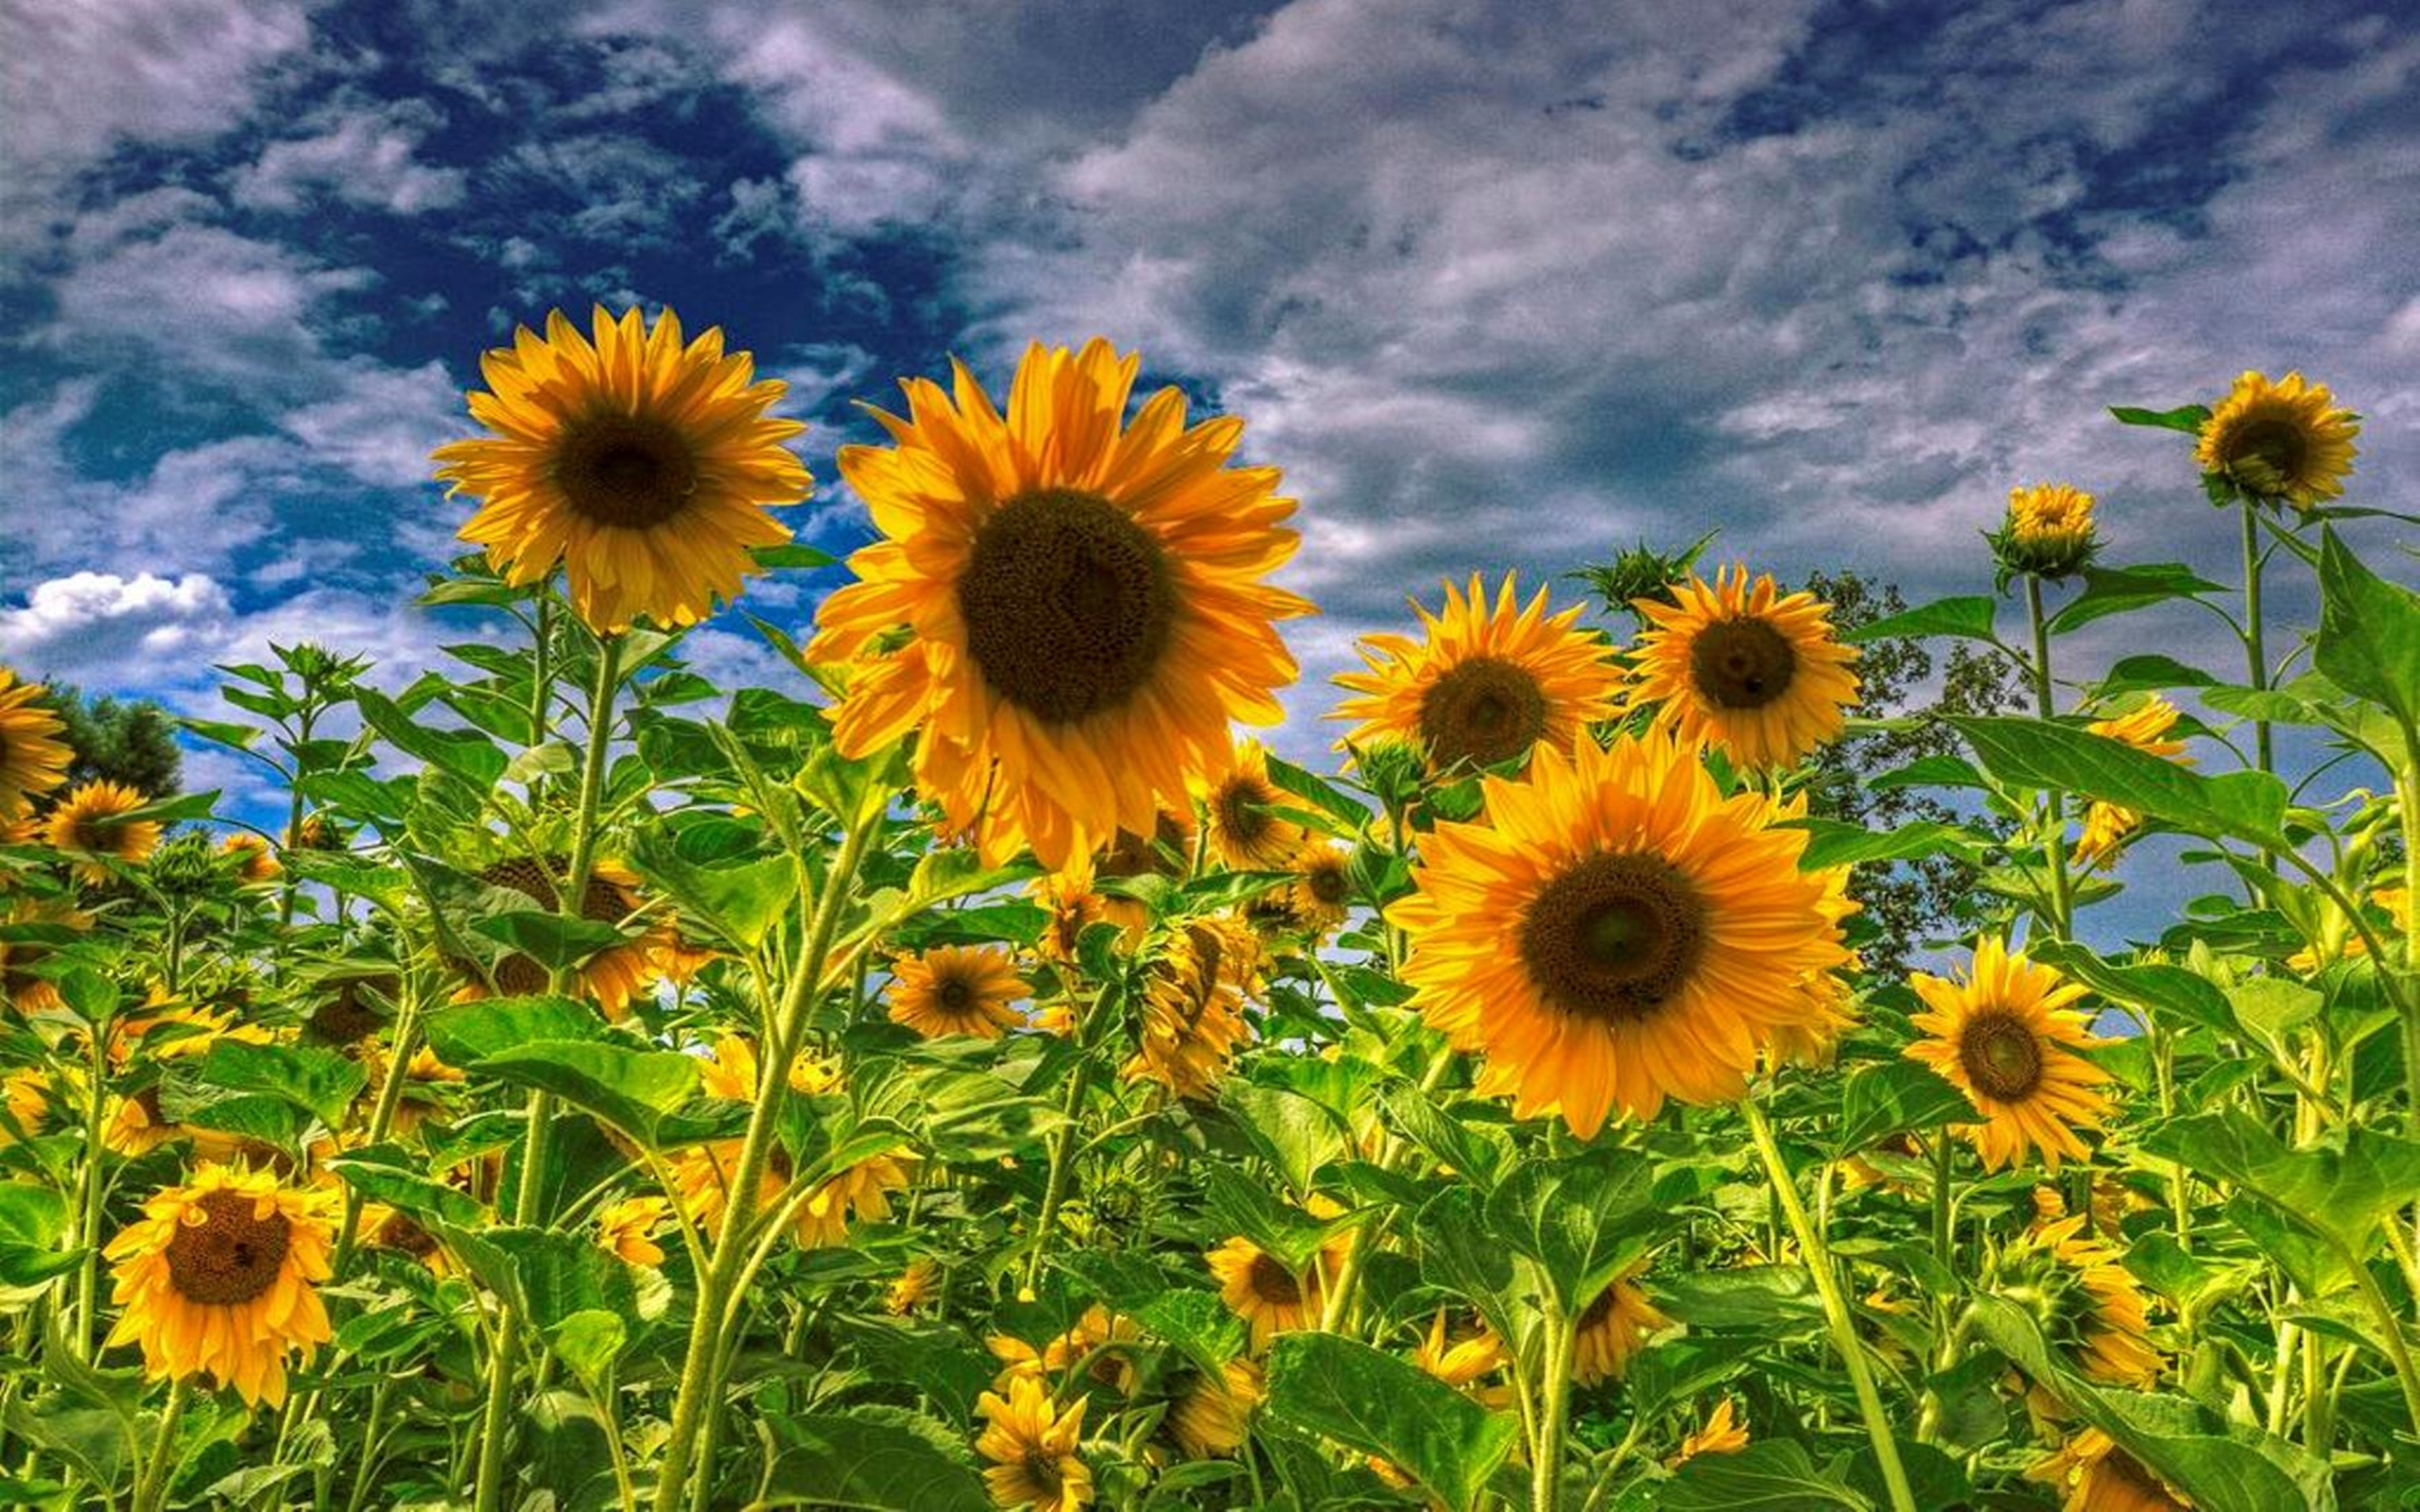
(957, 989)
(1744, 666)
(1486, 683)
(1616, 931)
(1086, 599)
(33, 760)
(2145, 727)
(2092, 1474)
(218, 1277)
(641, 465)
(90, 822)
(1032, 1448)
(1611, 1328)
(2280, 441)
(611, 977)
(1239, 805)
(2007, 1036)
(1193, 1009)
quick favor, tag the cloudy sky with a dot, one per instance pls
(1497, 285)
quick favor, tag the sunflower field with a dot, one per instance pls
(997, 1080)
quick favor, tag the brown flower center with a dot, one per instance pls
(1243, 805)
(1485, 711)
(1273, 1283)
(2001, 1055)
(1741, 662)
(956, 995)
(1602, 1308)
(625, 470)
(401, 1231)
(2268, 453)
(232, 1256)
(94, 831)
(1614, 937)
(350, 1016)
(1068, 604)
(1327, 882)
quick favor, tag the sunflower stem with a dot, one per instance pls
(88, 1275)
(1554, 1408)
(1836, 1309)
(2054, 801)
(2255, 654)
(152, 1487)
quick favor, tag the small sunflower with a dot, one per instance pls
(1033, 1449)
(1086, 597)
(912, 1287)
(2337, 937)
(317, 832)
(1258, 1288)
(1611, 1328)
(1486, 684)
(1744, 667)
(255, 863)
(1462, 1358)
(628, 1229)
(2145, 727)
(2095, 1475)
(1073, 903)
(1095, 1328)
(641, 465)
(957, 989)
(1239, 803)
(613, 976)
(33, 760)
(1615, 932)
(729, 1071)
(1321, 894)
(21, 985)
(703, 1174)
(29, 1097)
(220, 1277)
(1722, 1434)
(2048, 531)
(1214, 1416)
(2088, 1303)
(2007, 1036)
(138, 1124)
(2280, 441)
(90, 822)
(1193, 1009)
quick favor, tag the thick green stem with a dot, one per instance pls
(1063, 1144)
(1836, 1309)
(152, 1485)
(88, 1275)
(2390, 1333)
(1555, 1409)
(2255, 654)
(2054, 801)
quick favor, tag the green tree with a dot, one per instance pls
(129, 741)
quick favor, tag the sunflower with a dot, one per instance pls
(1462, 1358)
(1722, 1434)
(317, 831)
(1258, 1288)
(386, 1228)
(641, 465)
(355, 1008)
(138, 1124)
(27, 1095)
(1321, 894)
(1744, 667)
(91, 822)
(729, 1071)
(1193, 1007)
(165, 1029)
(255, 863)
(1239, 805)
(1214, 1416)
(1086, 599)
(2281, 440)
(628, 1229)
(218, 1277)
(912, 1287)
(21, 987)
(1486, 684)
(2145, 727)
(1616, 931)
(33, 760)
(1033, 1449)
(1611, 1328)
(611, 977)
(2336, 930)
(2088, 1301)
(2097, 1476)
(2007, 1036)
(2048, 531)
(956, 989)
(702, 1176)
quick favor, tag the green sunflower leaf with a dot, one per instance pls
(1373, 1404)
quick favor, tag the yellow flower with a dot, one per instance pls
(165, 1029)
(1033, 1449)
(2337, 929)
(2048, 531)
(2280, 441)
(1086, 599)
(1615, 932)
(1258, 1288)
(704, 1172)
(1744, 667)
(1214, 1416)
(19, 987)
(640, 465)
(357, 1008)
(1611, 1328)
(138, 1124)
(255, 862)
(628, 1229)
(2089, 1302)
(611, 977)
(1240, 802)
(27, 1093)
(33, 760)
(1462, 1360)
(2144, 727)
(1486, 684)
(912, 1288)
(2007, 1036)
(2097, 1476)
(218, 1278)
(1722, 1434)
(1193, 1009)
(956, 989)
(90, 822)
(1321, 894)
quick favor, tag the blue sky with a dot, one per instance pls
(1495, 285)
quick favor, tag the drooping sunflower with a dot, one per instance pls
(1033, 1449)
(33, 760)
(2092, 1474)
(2048, 531)
(912, 1287)
(90, 822)
(1193, 1009)
(219, 1276)
(2280, 441)
(1322, 891)
(628, 1229)
(28, 1094)
(2145, 727)
(1611, 1328)
(1213, 1415)
(1615, 931)
(611, 977)
(1465, 1357)
(2007, 1036)
(1239, 805)
(729, 1070)
(1486, 684)
(2088, 1303)
(357, 1006)
(642, 465)
(703, 1174)
(1722, 1434)
(1086, 599)
(1744, 666)
(1097, 1326)
(255, 863)
(957, 989)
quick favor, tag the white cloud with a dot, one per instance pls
(70, 625)
(366, 157)
(382, 423)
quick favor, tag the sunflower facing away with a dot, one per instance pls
(1239, 804)
(2144, 727)
(2088, 1303)
(1615, 932)
(1744, 666)
(1193, 1009)
(2280, 441)
(1486, 684)
(2007, 1036)
(613, 976)
(1032, 1448)
(642, 465)
(91, 822)
(2095, 1475)
(218, 1277)
(1611, 1328)
(628, 1229)
(33, 760)
(1214, 1416)
(957, 989)
(1086, 597)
